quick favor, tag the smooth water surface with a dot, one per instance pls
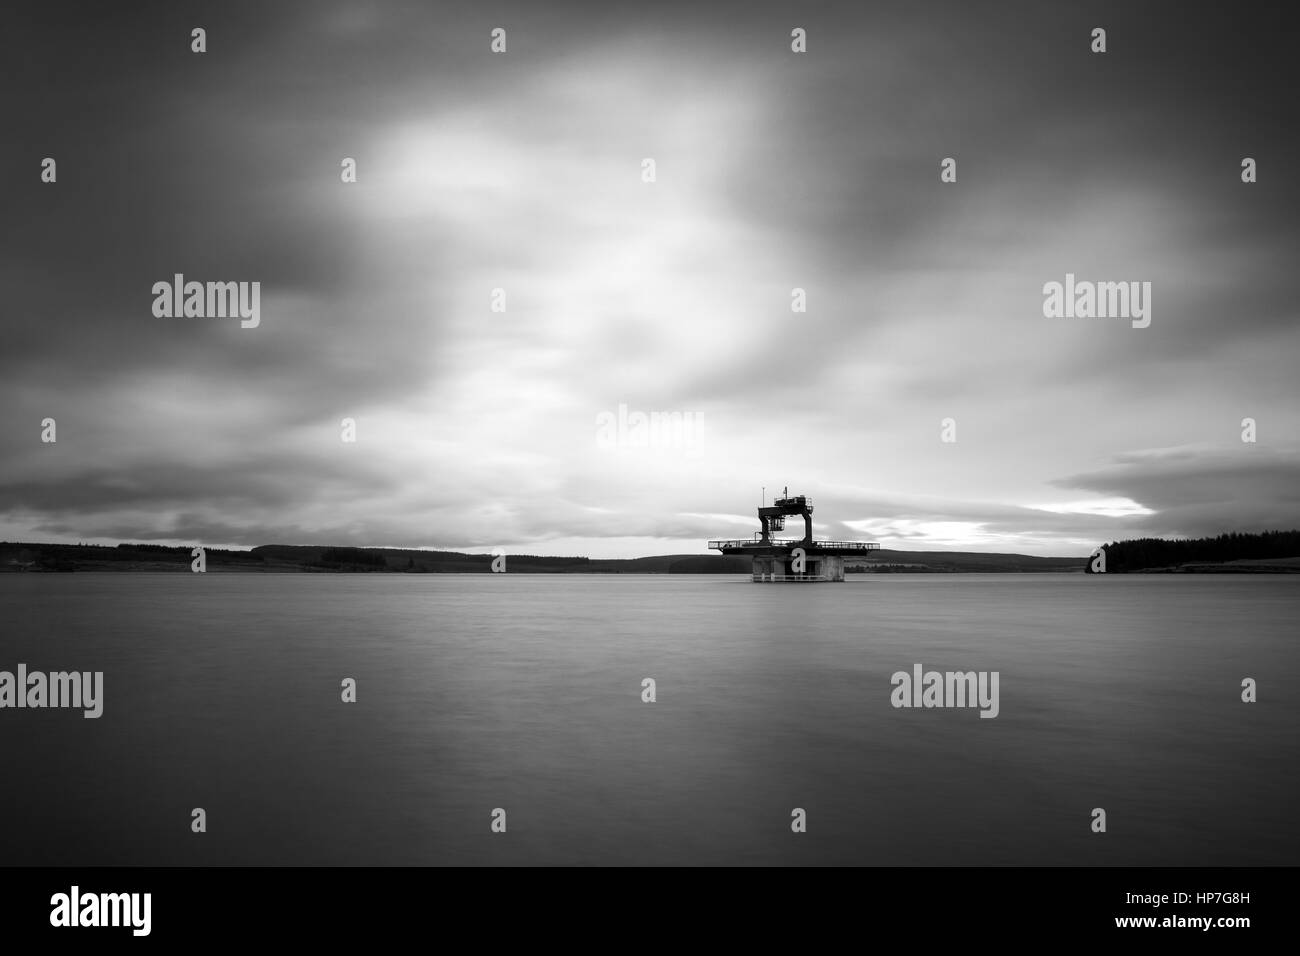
(523, 692)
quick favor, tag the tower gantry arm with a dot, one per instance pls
(782, 507)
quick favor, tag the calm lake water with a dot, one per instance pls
(523, 692)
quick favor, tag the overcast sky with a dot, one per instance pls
(523, 171)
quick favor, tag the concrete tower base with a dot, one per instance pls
(780, 567)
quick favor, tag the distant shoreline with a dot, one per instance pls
(316, 559)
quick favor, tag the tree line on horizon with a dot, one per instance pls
(1141, 554)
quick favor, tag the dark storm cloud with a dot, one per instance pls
(1199, 491)
(273, 480)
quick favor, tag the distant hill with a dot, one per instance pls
(1274, 551)
(885, 561)
(327, 559)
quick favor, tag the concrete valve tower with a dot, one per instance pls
(792, 559)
